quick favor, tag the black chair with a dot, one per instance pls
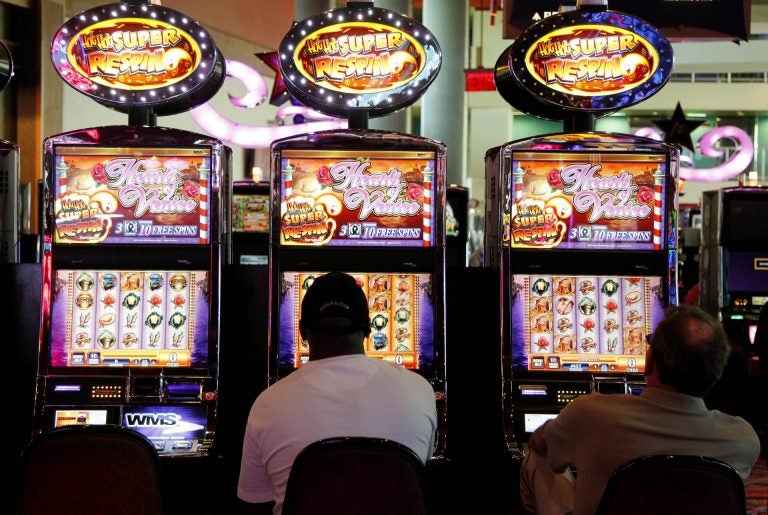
(96, 469)
(674, 484)
(354, 475)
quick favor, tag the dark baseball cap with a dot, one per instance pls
(335, 304)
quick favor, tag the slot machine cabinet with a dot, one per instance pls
(133, 249)
(367, 202)
(133, 236)
(582, 286)
(733, 278)
(581, 225)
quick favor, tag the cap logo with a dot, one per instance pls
(333, 303)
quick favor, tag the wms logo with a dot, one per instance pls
(160, 423)
(151, 419)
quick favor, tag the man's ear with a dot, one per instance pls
(649, 361)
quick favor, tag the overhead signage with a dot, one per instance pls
(123, 55)
(586, 61)
(354, 58)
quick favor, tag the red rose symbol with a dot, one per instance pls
(415, 191)
(645, 195)
(324, 176)
(99, 174)
(190, 189)
(554, 179)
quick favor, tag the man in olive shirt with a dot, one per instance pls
(597, 433)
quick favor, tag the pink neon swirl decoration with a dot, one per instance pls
(250, 136)
(737, 162)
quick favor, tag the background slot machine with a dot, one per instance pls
(456, 226)
(9, 178)
(369, 203)
(250, 223)
(733, 274)
(581, 224)
(133, 226)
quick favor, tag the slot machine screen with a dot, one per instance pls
(588, 201)
(130, 318)
(66, 417)
(583, 323)
(746, 271)
(108, 195)
(250, 212)
(402, 313)
(532, 421)
(744, 223)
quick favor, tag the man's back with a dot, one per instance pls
(598, 433)
(340, 396)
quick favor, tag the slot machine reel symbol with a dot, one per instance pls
(177, 282)
(153, 320)
(565, 344)
(610, 287)
(587, 307)
(132, 281)
(540, 286)
(108, 281)
(379, 284)
(379, 339)
(84, 282)
(379, 303)
(177, 320)
(564, 286)
(84, 300)
(155, 281)
(564, 305)
(106, 339)
(131, 301)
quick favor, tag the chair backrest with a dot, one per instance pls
(674, 484)
(89, 469)
(353, 475)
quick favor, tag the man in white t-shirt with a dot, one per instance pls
(339, 392)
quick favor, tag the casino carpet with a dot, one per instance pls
(756, 488)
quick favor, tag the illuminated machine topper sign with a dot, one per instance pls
(124, 56)
(589, 61)
(353, 58)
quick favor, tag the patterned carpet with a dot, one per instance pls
(756, 489)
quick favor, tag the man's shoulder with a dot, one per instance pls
(597, 402)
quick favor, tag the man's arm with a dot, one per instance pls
(537, 442)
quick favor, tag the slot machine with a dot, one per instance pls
(733, 274)
(456, 226)
(366, 202)
(9, 178)
(250, 223)
(133, 230)
(581, 224)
